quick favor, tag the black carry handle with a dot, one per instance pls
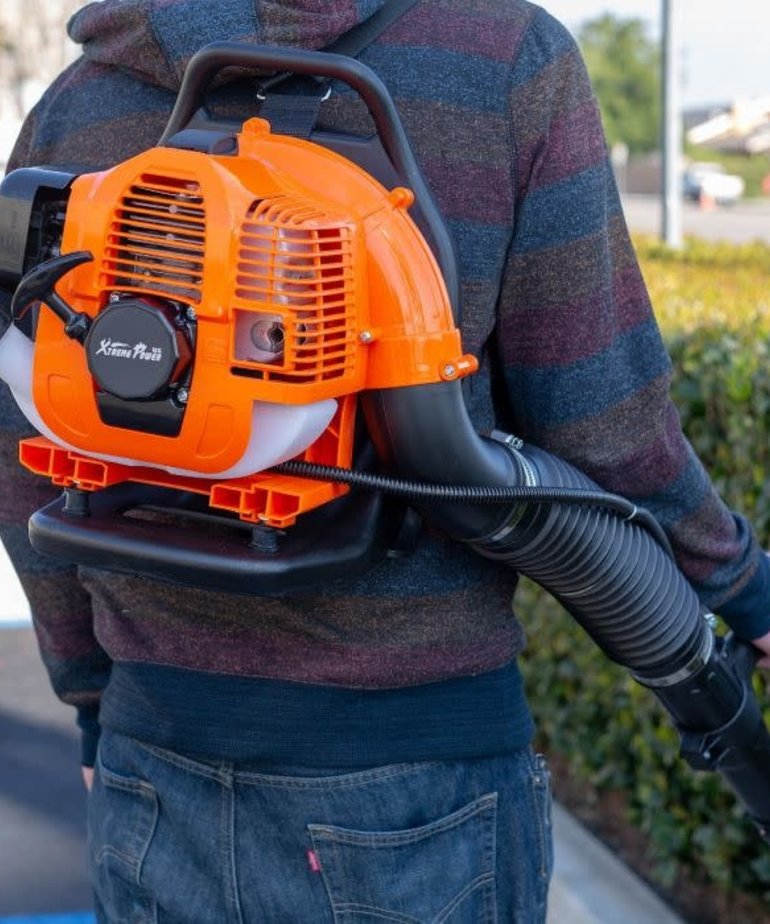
(211, 59)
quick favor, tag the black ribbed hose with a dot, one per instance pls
(610, 574)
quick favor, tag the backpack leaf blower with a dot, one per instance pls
(198, 333)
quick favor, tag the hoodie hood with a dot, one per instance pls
(155, 39)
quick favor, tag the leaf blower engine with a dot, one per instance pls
(195, 334)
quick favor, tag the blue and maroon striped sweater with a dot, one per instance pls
(416, 659)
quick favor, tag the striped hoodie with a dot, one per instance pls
(417, 658)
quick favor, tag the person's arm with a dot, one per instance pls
(92, 116)
(586, 374)
(61, 608)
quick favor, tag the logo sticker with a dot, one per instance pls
(120, 350)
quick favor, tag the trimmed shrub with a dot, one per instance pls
(713, 303)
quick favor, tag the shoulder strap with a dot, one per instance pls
(354, 41)
(295, 110)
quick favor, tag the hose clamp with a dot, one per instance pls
(514, 445)
(695, 664)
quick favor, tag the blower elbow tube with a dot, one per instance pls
(608, 572)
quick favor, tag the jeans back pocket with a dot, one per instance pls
(439, 873)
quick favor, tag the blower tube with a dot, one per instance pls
(609, 573)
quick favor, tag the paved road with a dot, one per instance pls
(42, 803)
(14, 609)
(746, 221)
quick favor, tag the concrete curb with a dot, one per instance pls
(592, 886)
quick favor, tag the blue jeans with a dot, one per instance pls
(191, 842)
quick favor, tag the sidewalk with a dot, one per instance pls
(42, 806)
(591, 886)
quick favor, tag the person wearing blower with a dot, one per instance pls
(364, 749)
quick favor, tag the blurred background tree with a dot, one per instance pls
(624, 64)
(34, 48)
(14, 68)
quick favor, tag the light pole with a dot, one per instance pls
(672, 127)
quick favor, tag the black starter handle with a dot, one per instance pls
(38, 285)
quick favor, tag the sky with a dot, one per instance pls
(725, 46)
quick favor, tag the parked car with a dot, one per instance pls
(710, 180)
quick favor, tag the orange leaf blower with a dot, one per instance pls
(210, 311)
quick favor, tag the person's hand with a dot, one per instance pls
(88, 777)
(763, 643)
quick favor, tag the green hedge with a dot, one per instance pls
(713, 303)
